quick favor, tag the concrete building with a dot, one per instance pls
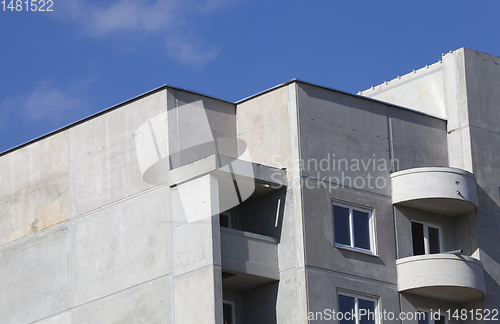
(175, 207)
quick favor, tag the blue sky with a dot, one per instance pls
(58, 67)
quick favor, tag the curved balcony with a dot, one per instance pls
(441, 190)
(448, 277)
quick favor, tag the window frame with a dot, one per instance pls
(233, 308)
(356, 297)
(427, 246)
(431, 320)
(371, 225)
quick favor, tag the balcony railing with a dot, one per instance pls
(249, 253)
(449, 277)
(441, 190)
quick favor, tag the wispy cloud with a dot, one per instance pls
(44, 102)
(178, 20)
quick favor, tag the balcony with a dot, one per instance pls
(440, 190)
(250, 259)
(448, 277)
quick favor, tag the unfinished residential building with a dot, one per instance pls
(175, 207)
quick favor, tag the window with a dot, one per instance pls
(353, 228)
(364, 307)
(228, 311)
(225, 220)
(426, 238)
(426, 317)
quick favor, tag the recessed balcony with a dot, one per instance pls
(440, 190)
(251, 258)
(448, 277)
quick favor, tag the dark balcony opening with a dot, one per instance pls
(254, 305)
(261, 214)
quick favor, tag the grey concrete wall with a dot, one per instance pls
(86, 240)
(365, 133)
(422, 90)
(103, 156)
(417, 140)
(319, 235)
(34, 192)
(323, 287)
(260, 304)
(35, 279)
(269, 124)
(188, 128)
(335, 127)
(264, 124)
(481, 74)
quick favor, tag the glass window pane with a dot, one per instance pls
(341, 225)
(227, 313)
(423, 318)
(417, 233)
(361, 223)
(369, 310)
(434, 240)
(346, 307)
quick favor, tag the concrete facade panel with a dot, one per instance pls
(485, 158)
(319, 234)
(34, 191)
(343, 138)
(417, 140)
(64, 318)
(150, 302)
(35, 276)
(482, 77)
(421, 90)
(263, 123)
(104, 163)
(321, 299)
(288, 308)
(196, 243)
(197, 297)
(287, 248)
(121, 246)
(488, 227)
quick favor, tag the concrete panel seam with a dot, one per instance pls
(65, 223)
(352, 277)
(339, 186)
(53, 315)
(484, 129)
(170, 216)
(184, 274)
(124, 289)
(120, 201)
(490, 210)
(70, 228)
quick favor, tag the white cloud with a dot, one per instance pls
(176, 19)
(45, 102)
